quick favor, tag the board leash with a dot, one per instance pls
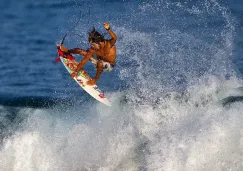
(71, 29)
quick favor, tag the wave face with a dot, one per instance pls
(176, 101)
(181, 131)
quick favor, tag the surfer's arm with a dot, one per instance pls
(112, 34)
(113, 37)
(73, 51)
(77, 51)
(88, 55)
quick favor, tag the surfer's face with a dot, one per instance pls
(95, 45)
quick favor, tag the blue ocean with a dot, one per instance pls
(176, 90)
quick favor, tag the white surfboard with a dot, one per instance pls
(82, 78)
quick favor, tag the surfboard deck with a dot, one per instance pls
(71, 64)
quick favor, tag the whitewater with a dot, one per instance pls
(176, 94)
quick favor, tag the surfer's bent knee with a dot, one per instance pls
(99, 65)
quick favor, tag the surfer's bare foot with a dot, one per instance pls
(74, 74)
(91, 82)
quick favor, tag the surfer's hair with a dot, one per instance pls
(95, 36)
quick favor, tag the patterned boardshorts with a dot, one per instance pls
(107, 67)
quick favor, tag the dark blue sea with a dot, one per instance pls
(176, 91)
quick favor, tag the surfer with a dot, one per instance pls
(102, 53)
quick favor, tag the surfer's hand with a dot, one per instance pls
(74, 74)
(107, 25)
(64, 49)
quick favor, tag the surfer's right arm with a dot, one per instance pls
(73, 51)
(77, 51)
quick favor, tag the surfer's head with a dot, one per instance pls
(95, 37)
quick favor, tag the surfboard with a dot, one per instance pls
(71, 64)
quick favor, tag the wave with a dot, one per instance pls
(177, 112)
(35, 102)
(232, 99)
(171, 134)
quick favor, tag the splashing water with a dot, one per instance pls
(174, 60)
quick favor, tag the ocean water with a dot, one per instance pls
(176, 91)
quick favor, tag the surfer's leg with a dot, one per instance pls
(99, 67)
(94, 60)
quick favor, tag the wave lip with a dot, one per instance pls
(33, 102)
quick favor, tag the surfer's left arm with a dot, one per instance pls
(112, 34)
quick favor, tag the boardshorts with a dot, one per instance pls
(107, 67)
